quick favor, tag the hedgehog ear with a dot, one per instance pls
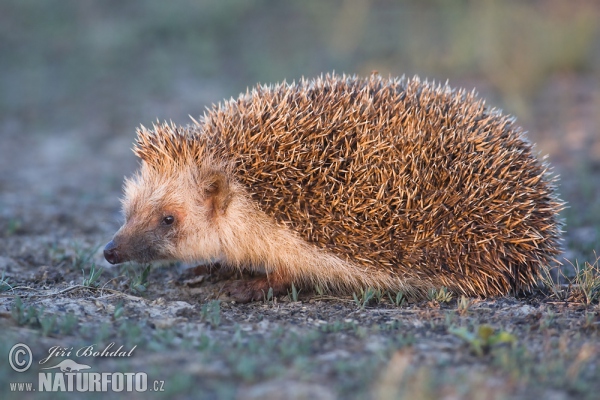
(218, 191)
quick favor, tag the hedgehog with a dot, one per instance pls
(346, 183)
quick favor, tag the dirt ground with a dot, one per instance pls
(59, 205)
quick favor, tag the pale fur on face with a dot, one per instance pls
(151, 195)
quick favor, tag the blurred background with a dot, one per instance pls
(77, 78)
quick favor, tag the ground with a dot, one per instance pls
(59, 197)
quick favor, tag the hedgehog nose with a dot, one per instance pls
(111, 254)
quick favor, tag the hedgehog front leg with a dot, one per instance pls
(255, 289)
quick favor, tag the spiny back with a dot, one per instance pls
(398, 174)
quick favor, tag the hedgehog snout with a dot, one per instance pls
(111, 254)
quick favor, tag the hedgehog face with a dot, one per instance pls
(169, 217)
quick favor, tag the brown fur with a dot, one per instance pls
(347, 183)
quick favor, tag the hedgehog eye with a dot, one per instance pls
(168, 220)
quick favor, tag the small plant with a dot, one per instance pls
(68, 324)
(319, 290)
(211, 312)
(294, 294)
(379, 295)
(586, 284)
(399, 300)
(119, 310)
(13, 226)
(548, 282)
(583, 287)
(204, 342)
(131, 332)
(463, 304)
(365, 297)
(92, 279)
(548, 319)
(36, 318)
(23, 315)
(432, 295)
(268, 296)
(48, 324)
(439, 296)
(4, 285)
(136, 276)
(484, 339)
(339, 326)
(590, 320)
(139, 281)
(237, 337)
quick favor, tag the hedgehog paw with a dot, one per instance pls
(247, 290)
